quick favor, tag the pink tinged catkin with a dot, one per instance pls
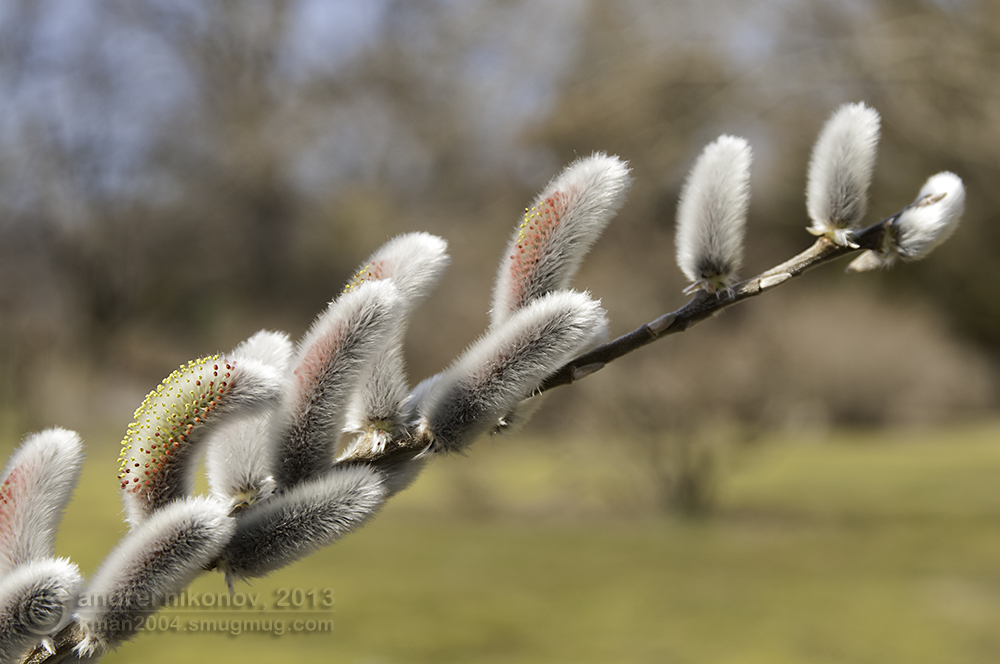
(309, 516)
(333, 359)
(506, 365)
(557, 231)
(414, 263)
(35, 601)
(163, 443)
(156, 559)
(712, 214)
(36, 487)
(239, 459)
(921, 226)
(840, 172)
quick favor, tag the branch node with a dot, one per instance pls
(586, 370)
(773, 280)
(661, 323)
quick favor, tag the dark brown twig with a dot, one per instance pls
(705, 305)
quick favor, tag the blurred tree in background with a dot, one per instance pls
(176, 175)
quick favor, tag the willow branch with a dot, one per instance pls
(398, 452)
(705, 305)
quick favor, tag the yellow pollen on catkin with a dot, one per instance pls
(533, 240)
(370, 272)
(167, 416)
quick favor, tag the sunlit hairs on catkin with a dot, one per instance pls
(919, 228)
(546, 249)
(164, 441)
(34, 602)
(160, 556)
(712, 214)
(36, 487)
(313, 514)
(506, 365)
(558, 229)
(239, 463)
(414, 263)
(332, 361)
(840, 172)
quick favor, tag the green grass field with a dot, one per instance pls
(863, 548)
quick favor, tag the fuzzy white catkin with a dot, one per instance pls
(557, 231)
(35, 488)
(932, 218)
(507, 365)
(156, 559)
(309, 516)
(239, 459)
(34, 602)
(273, 349)
(921, 226)
(332, 361)
(840, 171)
(414, 263)
(239, 463)
(169, 433)
(712, 214)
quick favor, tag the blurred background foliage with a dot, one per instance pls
(176, 175)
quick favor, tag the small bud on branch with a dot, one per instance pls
(920, 227)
